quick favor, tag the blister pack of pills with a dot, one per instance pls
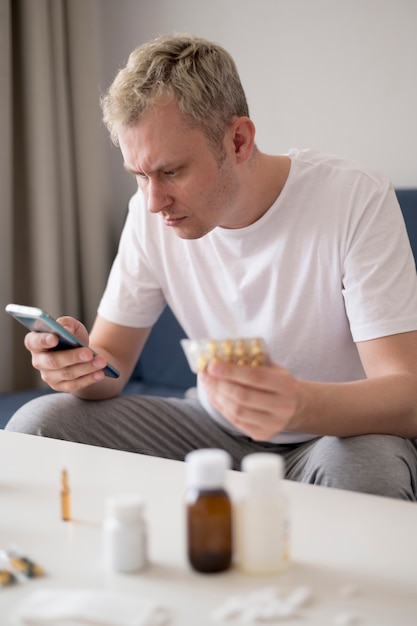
(201, 352)
(16, 568)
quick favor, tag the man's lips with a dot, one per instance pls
(172, 221)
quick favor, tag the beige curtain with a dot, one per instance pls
(54, 250)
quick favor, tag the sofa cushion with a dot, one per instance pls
(408, 203)
(162, 361)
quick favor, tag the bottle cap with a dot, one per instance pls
(265, 471)
(125, 508)
(206, 468)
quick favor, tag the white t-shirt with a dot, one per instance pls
(328, 265)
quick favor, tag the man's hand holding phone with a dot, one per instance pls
(65, 370)
(60, 350)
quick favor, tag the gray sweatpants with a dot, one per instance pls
(171, 427)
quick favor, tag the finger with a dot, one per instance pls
(252, 386)
(261, 376)
(257, 424)
(248, 408)
(75, 327)
(69, 370)
(58, 359)
(243, 405)
(38, 342)
(73, 382)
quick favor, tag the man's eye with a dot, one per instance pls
(170, 172)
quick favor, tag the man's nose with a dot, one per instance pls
(156, 197)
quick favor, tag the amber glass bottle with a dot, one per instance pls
(209, 511)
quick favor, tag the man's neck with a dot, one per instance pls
(270, 175)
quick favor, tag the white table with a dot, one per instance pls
(339, 538)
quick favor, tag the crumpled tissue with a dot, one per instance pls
(90, 607)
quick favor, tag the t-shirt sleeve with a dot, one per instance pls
(379, 277)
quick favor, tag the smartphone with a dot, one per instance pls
(39, 321)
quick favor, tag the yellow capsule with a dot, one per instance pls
(211, 348)
(240, 348)
(226, 347)
(258, 359)
(201, 364)
(255, 346)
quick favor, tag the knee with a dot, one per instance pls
(376, 464)
(43, 416)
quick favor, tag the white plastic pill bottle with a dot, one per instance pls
(262, 516)
(124, 534)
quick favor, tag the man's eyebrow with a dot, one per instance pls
(129, 170)
(162, 167)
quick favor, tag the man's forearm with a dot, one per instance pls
(385, 405)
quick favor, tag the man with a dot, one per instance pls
(304, 249)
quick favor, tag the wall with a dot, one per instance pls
(336, 75)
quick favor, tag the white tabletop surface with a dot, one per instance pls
(338, 538)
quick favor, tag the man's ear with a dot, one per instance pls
(243, 136)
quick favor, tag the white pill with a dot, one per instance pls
(300, 596)
(229, 609)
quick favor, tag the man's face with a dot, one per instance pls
(179, 173)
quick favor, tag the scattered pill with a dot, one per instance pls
(267, 605)
(301, 596)
(232, 607)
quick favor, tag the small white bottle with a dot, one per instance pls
(124, 534)
(262, 535)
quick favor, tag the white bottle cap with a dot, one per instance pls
(265, 471)
(206, 468)
(125, 508)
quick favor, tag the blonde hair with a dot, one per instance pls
(199, 75)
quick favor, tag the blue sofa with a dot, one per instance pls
(162, 368)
